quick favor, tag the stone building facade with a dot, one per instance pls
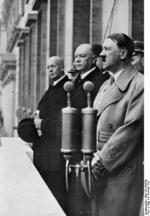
(37, 29)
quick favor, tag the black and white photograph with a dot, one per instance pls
(74, 108)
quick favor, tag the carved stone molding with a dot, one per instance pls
(37, 4)
(7, 70)
(24, 32)
(31, 18)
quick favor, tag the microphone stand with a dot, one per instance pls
(70, 131)
(88, 134)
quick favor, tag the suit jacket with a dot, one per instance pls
(47, 155)
(79, 203)
(48, 158)
(79, 97)
(120, 142)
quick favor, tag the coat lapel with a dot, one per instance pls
(115, 92)
(111, 96)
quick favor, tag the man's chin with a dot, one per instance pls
(104, 67)
(51, 78)
(79, 68)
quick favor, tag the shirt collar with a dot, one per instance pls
(116, 75)
(58, 80)
(87, 73)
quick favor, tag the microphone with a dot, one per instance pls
(88, 88)
(68, 87)
(88, 122)
(70, 122)
(88, 132)
(70, 131)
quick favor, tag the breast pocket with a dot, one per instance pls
(103, 137)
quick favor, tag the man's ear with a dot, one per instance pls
(62, 68)
(94, 59)
(123, 53)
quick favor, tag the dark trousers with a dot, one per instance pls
(77, 201)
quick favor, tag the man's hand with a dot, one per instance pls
(37, 121)
(95, 158)
(36, 114)
(98, 170)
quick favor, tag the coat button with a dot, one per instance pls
(112, 155)
(110, 125)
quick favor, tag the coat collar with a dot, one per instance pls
(84, 75)
(111, 96)
(125, 77)
(115, 92)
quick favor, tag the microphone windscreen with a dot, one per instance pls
(88, 86)
(68, 86)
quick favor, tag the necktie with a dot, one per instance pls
(109, 84)
(51, 83)
(79, 79)
(112, 80)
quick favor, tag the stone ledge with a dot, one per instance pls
(24, 32)
(37, 4)
(31, 18)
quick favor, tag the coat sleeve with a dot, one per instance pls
(127, 140)
(50, 126)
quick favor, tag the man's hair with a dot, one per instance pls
(138, 48)
(59, 59)
(96, 49)
(123, 41)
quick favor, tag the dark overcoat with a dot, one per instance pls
(120, 145)
(47, 155)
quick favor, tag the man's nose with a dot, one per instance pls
(102, 55)
(77, 59)
(50, 69)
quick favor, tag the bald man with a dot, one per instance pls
(46, 146)
(85, 63)
(85, 59)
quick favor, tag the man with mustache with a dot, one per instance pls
(117, 166)
(85, 58)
